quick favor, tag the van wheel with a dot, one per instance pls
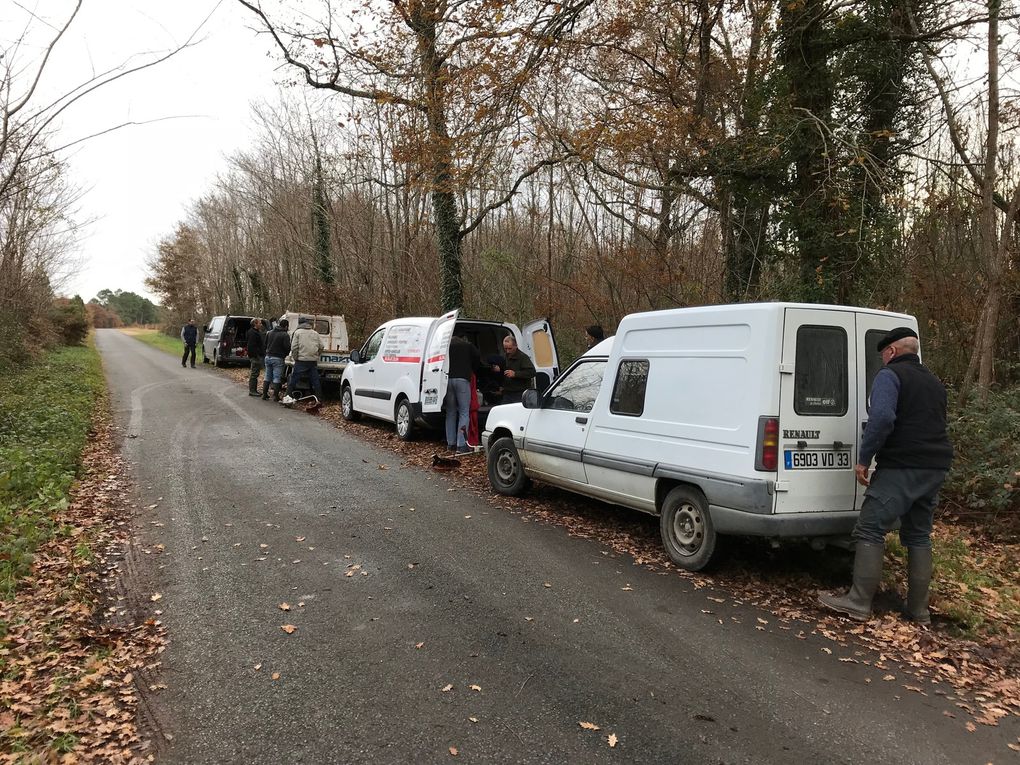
(347, 405)
(404, 417)
(686, 528)
(505, 471)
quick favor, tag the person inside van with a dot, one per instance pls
(518, 371)
(594, 335)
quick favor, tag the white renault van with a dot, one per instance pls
(400, 374)
(736, 419)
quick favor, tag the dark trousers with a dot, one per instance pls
(253, 376)
(907, 495)
(302, 368)
(188, 349)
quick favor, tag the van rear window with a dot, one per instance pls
(629, 388)
(821, 377)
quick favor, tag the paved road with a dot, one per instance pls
(257, 505)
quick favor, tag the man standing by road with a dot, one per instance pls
(465, 361)
(305, 346)
(189, 335)
(907, 433)
(256, 355)
(518, 372)
(277, 348)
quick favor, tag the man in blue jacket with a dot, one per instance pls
(189, 335)
(906, 433)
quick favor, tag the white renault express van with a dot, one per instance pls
(737, 419)
(400, 374)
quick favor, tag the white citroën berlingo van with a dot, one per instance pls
(736, 419)
(400, 374)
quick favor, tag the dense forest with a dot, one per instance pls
(586, 160)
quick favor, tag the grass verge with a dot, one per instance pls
(45, 416)
(157, 339)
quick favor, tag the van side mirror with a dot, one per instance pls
(355, 357)
(205, 328)
(531, 399)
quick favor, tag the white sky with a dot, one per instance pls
(139, 179)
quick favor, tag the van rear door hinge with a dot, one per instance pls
(785, 368)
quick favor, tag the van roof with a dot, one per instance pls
(762, 308)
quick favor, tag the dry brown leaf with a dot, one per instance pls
(476, 687)
(290, 629)
(419, 645)
(970, 726)
(156, 597)
(276, 675)
(453, 749)
(889, 677)
(473, 719)
(257, 667)
(284, 607)
(589, 726)
(447, 688)
(612, 740)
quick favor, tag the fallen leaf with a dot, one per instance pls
(476, 687)
(258, 667)
(589, 726)
(447, 688)
(889, 677)
(453, 749)
(299, 539)
(290, 629)
(419, 645)
(156, 597)
(827, 650)
(971, 727)
(611, 740)
(284, 607)
(473, 719)
(276, 675)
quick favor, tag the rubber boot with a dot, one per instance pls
(265, 389)
(867, 576)
(919, 567)
(276, 391)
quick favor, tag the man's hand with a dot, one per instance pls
(509, 373)
(861, 471)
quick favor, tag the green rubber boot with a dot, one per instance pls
(919, 568)
(867, 576)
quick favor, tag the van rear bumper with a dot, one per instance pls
(729, 521)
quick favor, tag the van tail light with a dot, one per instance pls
(767, 453)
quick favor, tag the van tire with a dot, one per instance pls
(686, 528)
(506, 474)
(347, 409)
(403, 418)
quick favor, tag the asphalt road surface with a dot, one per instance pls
(400, 587)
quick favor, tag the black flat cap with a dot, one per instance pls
(893, 335)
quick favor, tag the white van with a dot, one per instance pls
(335, 354)
(737, 419)
(400, 374)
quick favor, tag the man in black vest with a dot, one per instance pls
(189, 336)
(907, 434)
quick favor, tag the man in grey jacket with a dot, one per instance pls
(305, 347)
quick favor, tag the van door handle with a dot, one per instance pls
(581, 420)
(371, 370)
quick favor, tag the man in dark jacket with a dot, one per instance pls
(465, 361)
(907, 433)
(277, 349)
(189, 336)
(256, 355)
(518, 371)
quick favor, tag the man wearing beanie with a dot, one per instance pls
(906, 433)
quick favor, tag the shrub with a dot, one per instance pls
(986, 470)
(71, 320)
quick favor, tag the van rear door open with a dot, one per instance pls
(436, 367)
(818, 421)
(541, 347)
(870, 329)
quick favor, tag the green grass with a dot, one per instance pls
(45, 415)
(157, 339)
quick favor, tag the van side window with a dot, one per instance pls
(820, 386)
(629, 389)
(577, 389)
(217, 324)
(872, 360)
(371, 349)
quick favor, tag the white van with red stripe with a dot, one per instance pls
(400, 373)
(737, 419)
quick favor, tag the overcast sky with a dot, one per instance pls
(139, 179)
